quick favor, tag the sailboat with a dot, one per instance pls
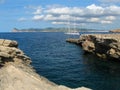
(73, 32)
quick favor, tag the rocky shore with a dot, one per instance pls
(16, 73)
(115, 31)
(106, 46)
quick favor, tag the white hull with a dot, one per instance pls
(73, 33)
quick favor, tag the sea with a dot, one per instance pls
(65, 63)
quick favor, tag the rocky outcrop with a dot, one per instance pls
(16, 73)
(8, 43)
(115, 31)
(70, 40)
(106, 46)
(10, 53)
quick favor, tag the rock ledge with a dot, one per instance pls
(105, 46)
(16, 73)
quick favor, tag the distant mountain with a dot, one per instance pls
(39, 30)
(26, 30)
(51, 29)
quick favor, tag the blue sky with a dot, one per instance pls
(96, 14)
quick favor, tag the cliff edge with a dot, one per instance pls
(115, 31)
(16, 73)
(106, 46)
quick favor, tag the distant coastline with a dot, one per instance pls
(51, 29)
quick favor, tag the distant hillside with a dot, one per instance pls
(26, 30)
(50, 29)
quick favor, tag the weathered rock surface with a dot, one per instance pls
(70, 40)
(106, 46)
(16, 73)
(10, 52)
(115, 31)
(8, 43)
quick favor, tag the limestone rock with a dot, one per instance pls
(16, 73)
(8, 43)
(9, 52)
(105, 46)
(111, 51)
(88, 46)
(4, 54)
(70, 40)
(115, 31)
(15, 78)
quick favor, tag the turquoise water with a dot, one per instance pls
(65, 63)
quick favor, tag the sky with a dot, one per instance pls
(92, 14)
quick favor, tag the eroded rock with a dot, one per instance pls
(9, 52)
(8, 43)
(105, 46)
(88, 46)
(16, 73)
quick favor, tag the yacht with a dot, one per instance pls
(72, 32)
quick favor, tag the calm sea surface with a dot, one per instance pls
(65, 63)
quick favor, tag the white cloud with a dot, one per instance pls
(38, 10)
(113, 10)
(106, 22)
(49, 17)
(63, 23)
(22, 19)
(110, 18)
(59, 10)
(93, 20)
(94, 7)
(91, 10)
(76, 15)
(95, 10)
(60, 17)
(38, 17)
(89, 14)
(63, 18)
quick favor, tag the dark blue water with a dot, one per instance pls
(65, 63)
